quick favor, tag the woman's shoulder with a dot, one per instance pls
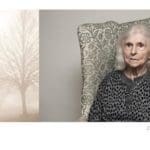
(113, 77)
(147, 76)
(114, 74)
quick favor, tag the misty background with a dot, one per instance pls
(19, 65)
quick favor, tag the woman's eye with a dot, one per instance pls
(128, 44)
(141, 44)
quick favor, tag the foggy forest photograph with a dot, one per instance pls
(19, 65)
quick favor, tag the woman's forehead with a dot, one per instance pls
(136, 37)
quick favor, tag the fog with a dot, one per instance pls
(19, 65)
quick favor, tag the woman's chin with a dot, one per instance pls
(134, 65)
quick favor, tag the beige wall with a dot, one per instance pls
(60, 71)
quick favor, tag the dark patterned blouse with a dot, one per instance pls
(121, 99)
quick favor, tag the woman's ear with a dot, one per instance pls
(149, 55)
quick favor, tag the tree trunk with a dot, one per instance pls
(23, 97)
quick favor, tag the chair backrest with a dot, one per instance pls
(98, 47)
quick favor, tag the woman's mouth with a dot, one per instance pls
(133, 59)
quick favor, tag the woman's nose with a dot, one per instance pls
(133, 50)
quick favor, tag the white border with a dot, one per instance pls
(74, 136)
(76, 4)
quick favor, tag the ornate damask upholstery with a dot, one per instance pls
(98, 47)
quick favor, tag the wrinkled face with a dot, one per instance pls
(136, 50)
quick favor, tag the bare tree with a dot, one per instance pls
(19, 54)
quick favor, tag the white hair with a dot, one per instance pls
(136, 28)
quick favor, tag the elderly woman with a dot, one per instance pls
(124, 94)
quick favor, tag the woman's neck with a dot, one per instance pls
(133, 73)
